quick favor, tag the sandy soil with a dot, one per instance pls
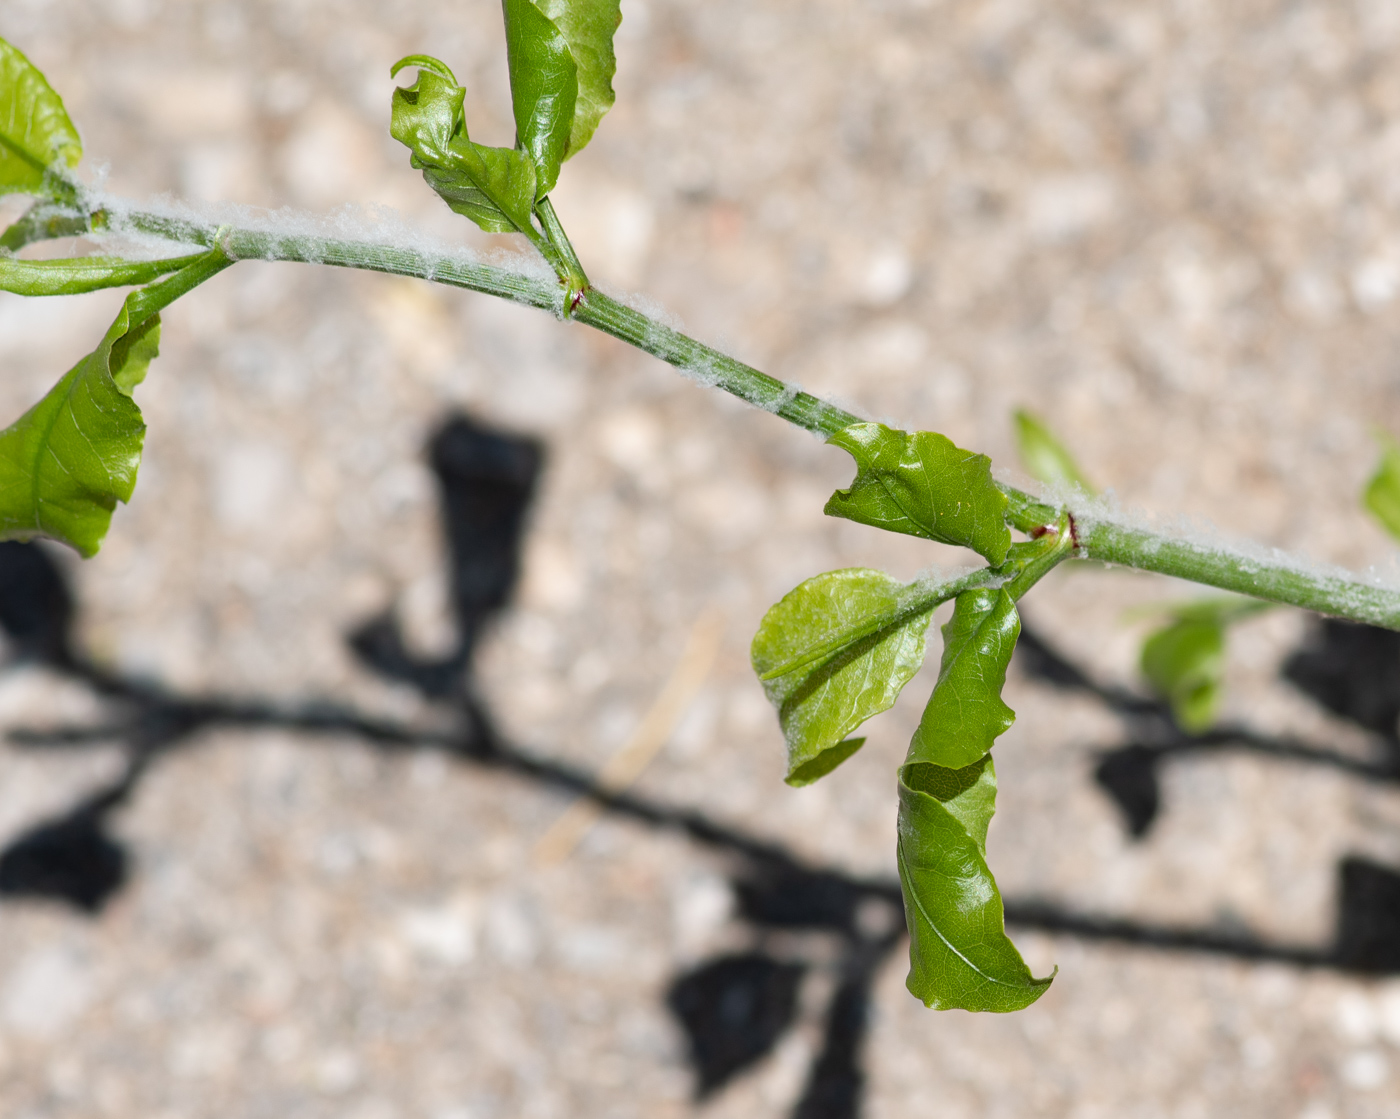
(1171, 230)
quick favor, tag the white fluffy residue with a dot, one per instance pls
(934, 577)
(1206, 539)
(644, 305)
(377, 226)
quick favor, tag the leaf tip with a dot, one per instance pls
(816, 768)
(423, 62)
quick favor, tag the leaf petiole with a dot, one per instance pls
(1028, 563)
(566, 262)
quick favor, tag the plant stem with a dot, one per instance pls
(554, 229)
(1098, 535)
(255, 244)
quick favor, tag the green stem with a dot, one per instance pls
(554, 229)
(1095, 535)
(1030, 562)
(254, 244)
(710, 367)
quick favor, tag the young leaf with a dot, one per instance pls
(1382, 495)
(36, 136)
(44, 221)
(1185, 660)
(1044, 456)
(89, 273)
(923, 485)
(1185, 663)
(959, 954)
(66, 462)
(588, 26)
(495, 187)
(965, 714)
(834, 652)
(543, 88)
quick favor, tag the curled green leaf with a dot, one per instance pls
(494, 187)
(966, 714)
(835, 651)
(1044, 456)
(1382, 496)
(38, 142)
(543, 88)
(588, 26)
(66, 462)
(959, 954)
(923, 485)
(83, 274)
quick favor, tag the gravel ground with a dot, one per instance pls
(1170, 230)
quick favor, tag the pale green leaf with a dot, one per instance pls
(543, 88)
(959, 954)
(83, 274)
(966, 713)
(66, 462)
(1044, 456)
(38, 142)
(1185, 663)
(1382, 494)
(588, 27)
(834, 652)
(924, 485)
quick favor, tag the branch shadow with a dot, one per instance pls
(733, 1009)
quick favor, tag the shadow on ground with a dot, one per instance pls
(733, 1009)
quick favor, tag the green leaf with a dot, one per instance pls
(1382, 494)
(965, 714)
(835, 651)
(543, 88)
(1185, 663)
(824, 763)
(73, 277)
(37, 140)
(66, 462)
(923, 485)
(495, 187)
(588, 27)
(959, 954)
(1044, 456)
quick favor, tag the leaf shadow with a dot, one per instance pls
(733, 1008)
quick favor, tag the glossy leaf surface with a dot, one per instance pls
(959, 954)
(966, 713)
(66, 462)
(1382, 496)
(543, 88)
(588, 26)
(924, 485)
(35, 132)
(495, 187)
(835, 651)
(1044, 456)
(73, 277)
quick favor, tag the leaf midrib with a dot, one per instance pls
(913, 894)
